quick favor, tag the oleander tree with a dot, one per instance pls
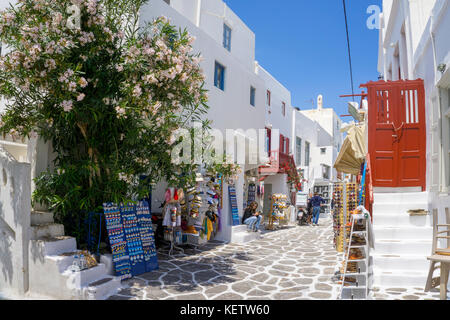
(105, 92)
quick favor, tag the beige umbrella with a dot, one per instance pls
(353, 151)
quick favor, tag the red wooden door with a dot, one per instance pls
(397, 137)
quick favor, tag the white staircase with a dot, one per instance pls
(402, 242)
(50, 256)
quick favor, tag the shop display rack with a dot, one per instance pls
(356, 278)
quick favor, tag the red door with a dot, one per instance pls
(397, 134)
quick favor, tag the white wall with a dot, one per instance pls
(428, 35)
(15, 209)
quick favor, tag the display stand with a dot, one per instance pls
(171, 236)
(279, 211)
(325, 190)
(233, 205)
(356, 279)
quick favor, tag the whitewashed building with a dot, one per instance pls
(329, 140)
(414, 42)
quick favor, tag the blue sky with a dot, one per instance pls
(303, 44)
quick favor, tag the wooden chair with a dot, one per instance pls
(440, 257)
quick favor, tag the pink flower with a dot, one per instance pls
(67, 105)
(81, 97)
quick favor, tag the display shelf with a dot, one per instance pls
(346, 287)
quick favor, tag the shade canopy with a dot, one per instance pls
(353, 151)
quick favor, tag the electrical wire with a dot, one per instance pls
(349, 51)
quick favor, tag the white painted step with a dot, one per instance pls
(41, 217)
(239, 228)
(102, 288)
(403, 233)
(244, 237)
(395, 219)
(83, 278)
(389, 246)
(48, 230)
(55, 246)
(400, 278)
(405, 197)
(401, 262)
(398, 208)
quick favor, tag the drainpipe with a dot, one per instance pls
(199, 12)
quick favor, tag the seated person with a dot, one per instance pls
(252, 218)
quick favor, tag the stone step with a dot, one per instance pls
(47, 230)
(102, 288)
(63, 262)
(389, 246)
(405, 197)
(83, 278)
(54, 246)
(245, 237)
(394, 219)
(240, 228)
(400, 278)
(41, 217)
(397, 208)
(403, 233)
(401, 262)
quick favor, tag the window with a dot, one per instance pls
(286, 145)
(306, 154)
(323, 150)
(281, 143)
(298, 151)
(283, 109)
(252, 96)
(167, 1)
(219, 76)
(326, 172)
(446, 141)
(268, 141)
(268, 97)
(226, 37)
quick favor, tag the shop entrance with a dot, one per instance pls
(397, 134)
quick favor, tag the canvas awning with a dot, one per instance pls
(353, 151)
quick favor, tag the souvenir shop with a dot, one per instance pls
(352, 220)
(190, 216)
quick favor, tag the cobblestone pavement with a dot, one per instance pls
(391, 293)
(296, 263)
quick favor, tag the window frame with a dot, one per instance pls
(268, 97)
(307, 153)
(298, 151)
(227, 31)
(283, 108)
(219, 83)
(445, 127)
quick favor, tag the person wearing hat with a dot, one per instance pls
(252, 218)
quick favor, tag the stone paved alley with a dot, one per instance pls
(297, 263)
